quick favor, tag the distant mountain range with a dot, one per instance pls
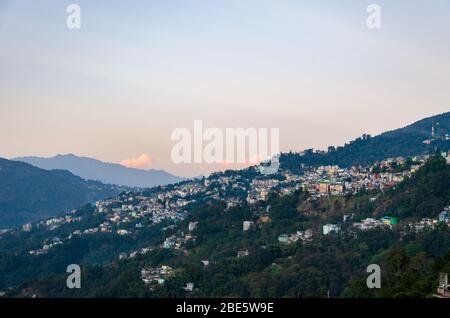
(28, 193)
(110, 173)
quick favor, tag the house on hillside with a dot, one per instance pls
(328, 228)
(443, 290)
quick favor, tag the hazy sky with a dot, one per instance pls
(116, 88)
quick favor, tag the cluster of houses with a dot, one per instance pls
(331, 228)
(179, 241)
(131, 207)
(130, 212)
(371, 223)
(53, 223)
(388, 221)
(304, 236)
(260, 189)
(154, 276)
(333, 180)
(48, 245)
(242, 253)
(427, 223)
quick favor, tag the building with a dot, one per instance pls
(247, 225)
(205, 262)
(27, 227)
(192, 226)
(337, 188)
(168, 243)
(156, 275)
(324, 186)
(443, 290)
(389, 220)
(189, 287)
(263, 195)
(252, 197)
(368, 224)
(122, 256)
(328, 228)
(444, 216)
(242, 253)
(308, 234)
(283, 238)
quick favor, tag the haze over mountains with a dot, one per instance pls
(31, 189)
(109, 173)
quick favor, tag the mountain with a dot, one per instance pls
(211, 235)
(414, 139)
(28, 193)
(411, 140)
(111, 173)
(324, 265)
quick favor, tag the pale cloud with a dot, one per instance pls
(144, 161)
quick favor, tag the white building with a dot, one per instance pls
(27, 227)
(247, 225)
(328, 228)
(192, 226)
(205, 262)
(242, 253)
(189, 287)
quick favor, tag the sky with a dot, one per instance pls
(116, 88)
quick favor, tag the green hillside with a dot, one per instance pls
(421, 196)
(328, 265)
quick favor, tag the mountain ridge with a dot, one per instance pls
(105, 172)
(28, 193)
(413, 139)
(308, 267)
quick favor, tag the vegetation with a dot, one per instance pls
(333, 265)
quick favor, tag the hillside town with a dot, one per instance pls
(128, 213)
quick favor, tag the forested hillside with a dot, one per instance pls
(407, 141)
(326, 265)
